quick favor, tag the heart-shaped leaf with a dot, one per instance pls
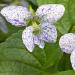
(13, 51)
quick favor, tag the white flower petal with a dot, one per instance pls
(39, 42)
(27, 37)
(72, 59)
(48, 32)
(50, 12)
(67, 43)
(42, 44)
(16, 15)
(36, 40)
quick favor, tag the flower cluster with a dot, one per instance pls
(47, 14)
(43, 22)
(67, 45)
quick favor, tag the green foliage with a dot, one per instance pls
(69, 72)
(15, 57)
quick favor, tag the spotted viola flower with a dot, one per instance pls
(16, 15)
(67, 45)
(48, 15)
(43, 21)
(47, 34)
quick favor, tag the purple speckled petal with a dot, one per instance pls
(39, 42)
(16, 15)
(72, 59)
(50, 12)
(48, 32)
(42, 44)
(27, 37)
(67, 43)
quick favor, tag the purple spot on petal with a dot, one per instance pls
(42, 9)
(15, 20)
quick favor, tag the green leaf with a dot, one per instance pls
(69, 72)
(64, 25)
(40, 2)
(47, 57)
(64, 64)
(17, 68)
(33, 1)
(13, 51)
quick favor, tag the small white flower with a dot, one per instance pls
(16, 15)
(67, 43)
(48, 15)
(47, 34)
